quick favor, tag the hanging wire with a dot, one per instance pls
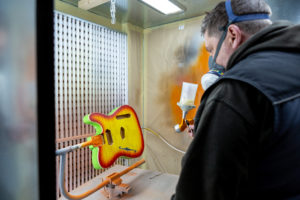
(113, 11)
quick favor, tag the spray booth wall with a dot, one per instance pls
(174, 53)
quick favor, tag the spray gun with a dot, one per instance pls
(188, 94)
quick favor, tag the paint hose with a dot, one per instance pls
(163, 139)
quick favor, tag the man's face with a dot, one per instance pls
(211, 43)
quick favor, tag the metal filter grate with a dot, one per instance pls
(90, 76)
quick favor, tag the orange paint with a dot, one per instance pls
(193, 74)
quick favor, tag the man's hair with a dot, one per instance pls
(217, 18)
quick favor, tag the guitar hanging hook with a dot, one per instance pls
(113, 11)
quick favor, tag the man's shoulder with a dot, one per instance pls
(238, 96)
(274, 73)
(235, 94)
(229, 89)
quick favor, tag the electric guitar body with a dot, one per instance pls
(121, 134)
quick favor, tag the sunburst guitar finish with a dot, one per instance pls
(122, 136)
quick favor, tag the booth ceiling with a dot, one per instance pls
(137, 13)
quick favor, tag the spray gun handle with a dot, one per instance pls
(183, 125)
(184, 113)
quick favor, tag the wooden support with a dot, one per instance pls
(89, 4)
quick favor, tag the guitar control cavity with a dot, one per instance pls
(109, 137)
(127, 149)
(124, 116)
(122, 132)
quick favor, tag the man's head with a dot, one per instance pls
(215, 21)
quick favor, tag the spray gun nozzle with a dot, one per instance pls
(184, 122)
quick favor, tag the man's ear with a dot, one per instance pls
(234, 36)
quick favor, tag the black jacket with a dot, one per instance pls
(244, 148)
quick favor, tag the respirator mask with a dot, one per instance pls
(216, 70)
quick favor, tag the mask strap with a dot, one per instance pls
(232, 18)
(220, 43)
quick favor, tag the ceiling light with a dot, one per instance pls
(165, 6)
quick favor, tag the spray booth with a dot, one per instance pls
(108, 54)
(123, 76)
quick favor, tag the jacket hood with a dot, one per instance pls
(280, 36)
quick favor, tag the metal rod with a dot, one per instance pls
(107, 181)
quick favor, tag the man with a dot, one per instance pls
(247, 129)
